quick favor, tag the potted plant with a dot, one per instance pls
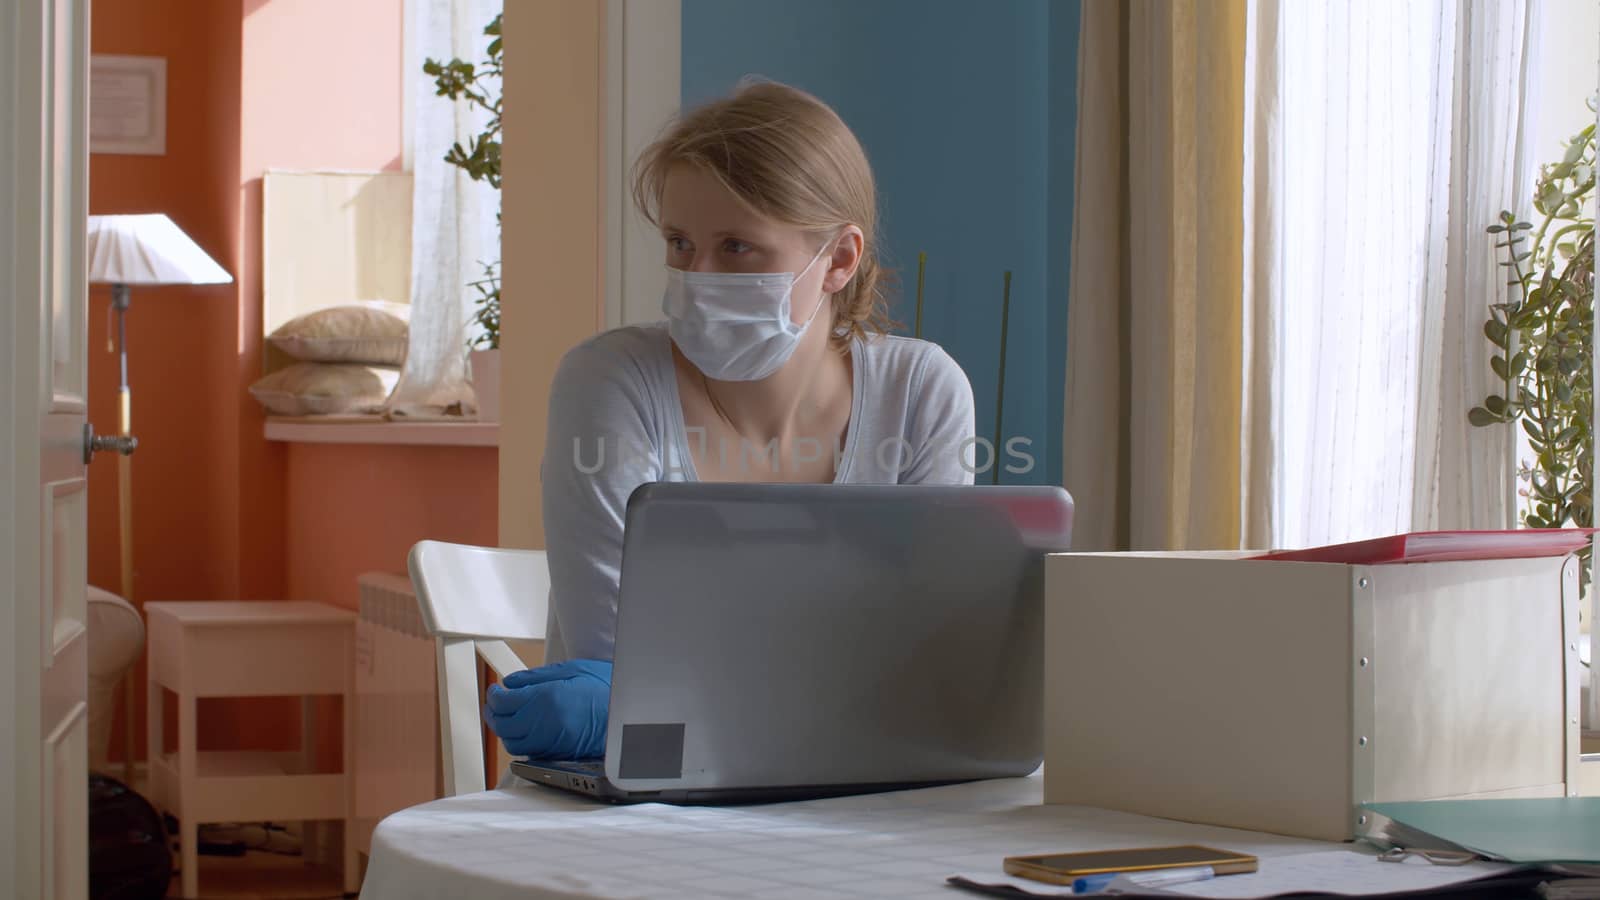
(484, 357)
(479, 85)
(1543, 337)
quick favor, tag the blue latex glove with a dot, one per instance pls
(553, 712)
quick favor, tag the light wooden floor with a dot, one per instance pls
(256, 875)
(262, 876)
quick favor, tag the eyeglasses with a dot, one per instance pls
(1437, 857)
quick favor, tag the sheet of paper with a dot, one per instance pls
(1338, 872)
(1026, 886)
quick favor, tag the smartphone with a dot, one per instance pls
(1063, 868)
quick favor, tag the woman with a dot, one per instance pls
(773, 364)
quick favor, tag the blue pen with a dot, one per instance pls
(1091, 884)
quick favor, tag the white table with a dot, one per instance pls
(529, 841)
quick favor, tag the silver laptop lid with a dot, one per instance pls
(778, 635)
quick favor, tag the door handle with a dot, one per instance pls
(93, 443)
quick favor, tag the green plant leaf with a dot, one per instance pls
(1482, 417)
(477, 84)
(1496, 333)
(1548, 310)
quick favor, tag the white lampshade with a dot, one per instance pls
(147, 249)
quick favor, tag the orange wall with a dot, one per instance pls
(321, 88)
(219, 512)
(181, 340)
(174, 333)
(356, 508)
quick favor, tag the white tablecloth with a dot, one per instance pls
(529, 841)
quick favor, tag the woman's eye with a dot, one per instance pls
(677, 244)
(734, 245)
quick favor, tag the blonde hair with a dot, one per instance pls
(789, 157)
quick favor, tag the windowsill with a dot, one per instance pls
(377, 430)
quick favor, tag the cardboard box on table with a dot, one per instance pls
(1279, 696)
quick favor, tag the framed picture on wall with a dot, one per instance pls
(128, 104)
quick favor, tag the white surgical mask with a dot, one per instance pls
(734, 326)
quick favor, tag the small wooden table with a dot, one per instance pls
(240, 649)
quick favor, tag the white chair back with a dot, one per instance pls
(473, 600)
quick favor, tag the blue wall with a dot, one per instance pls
(967, 112)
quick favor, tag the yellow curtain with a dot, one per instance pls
(1156, 419)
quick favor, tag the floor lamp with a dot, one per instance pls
(145, 250)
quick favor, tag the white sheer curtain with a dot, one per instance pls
(453, 228)
(1380, 140)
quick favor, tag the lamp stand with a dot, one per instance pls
(120, 296)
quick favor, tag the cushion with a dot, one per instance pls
(116, 638)
(371, 332)
(323, 389)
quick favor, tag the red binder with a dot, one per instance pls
(1439, 546)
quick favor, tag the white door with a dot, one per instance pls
(43, 305)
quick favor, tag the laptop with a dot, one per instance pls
(782, 641)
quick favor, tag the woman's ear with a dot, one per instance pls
(845, 260)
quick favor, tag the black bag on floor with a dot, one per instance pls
(128, 854)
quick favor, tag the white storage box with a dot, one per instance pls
(1279, 696)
